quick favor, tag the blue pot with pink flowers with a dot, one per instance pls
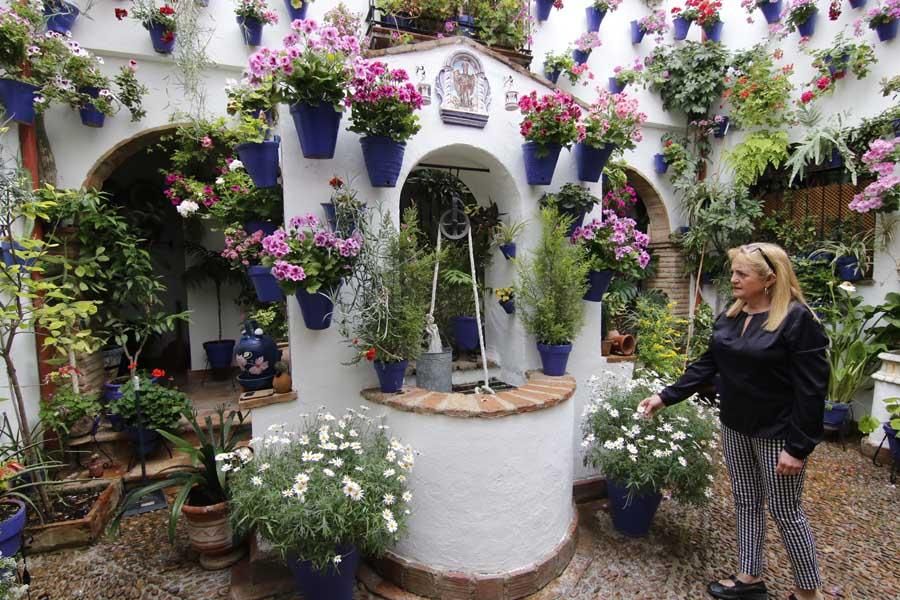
(713, 31)
(580, 56)
(808, 27)
(90, 116)
(317, 128)
(772, 10)
(540, 162)
(251, 30)
(384, 159)
(615, 87)
(261, 161)
(594, 18)
(637, 32)
(590, 160)
(543, 9)
(887, 31)
(18, 100)
(315, 309)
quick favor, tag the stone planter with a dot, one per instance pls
(211, 536)
(887, 385)
(80, 532)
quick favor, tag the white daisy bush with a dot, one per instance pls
(10, 589)
(669, 453)
(332, 482)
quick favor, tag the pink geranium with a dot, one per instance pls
(612, 119)
(614, 244)
(883, 194)
(549, 120)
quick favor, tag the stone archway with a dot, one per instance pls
(116, 156)
(669, 275)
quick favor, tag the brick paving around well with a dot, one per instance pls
(852, 507)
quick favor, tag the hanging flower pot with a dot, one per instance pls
(11, 529)
(316, 309)
(598, 283)
(615, 87)
(576, 218)
(554, 358)
(465, 333)
(163, 40)
(267, 227)
(336, 582)
(543, 9)
(857, 3)
(330, 214)
(261, 161)
(317, 127)
(837, 66)
(772, 10)
(848, 268)
(594, 18)
(265, 284)
(808, 27)
(713, 32)
(18, 100)
(680, 28)
(298, 12)
(887, 31)
(580, 56)
(721, 127)
(384, 159)
(633, 516)
(893, 441)
(90, 116)
(466, 25)
(509, 306)
(637, 32)
(251, 30)
(390, 375)
(12, 254)
(61, 16)
(552, 76)
(659, 163)
(219, 353)
(539, 169)
(590, 161)
(508, 250)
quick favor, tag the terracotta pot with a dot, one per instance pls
(623, 344)
(282, 383)
(605, 347)
(211, 536)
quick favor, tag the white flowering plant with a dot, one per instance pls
(10, 588)
(332, 483)
(669, 452)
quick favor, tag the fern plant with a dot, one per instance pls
(755, 153)
(820, 141)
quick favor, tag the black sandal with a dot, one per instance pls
(738, 591)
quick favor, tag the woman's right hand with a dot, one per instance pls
(651, 405)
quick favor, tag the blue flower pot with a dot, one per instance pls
(598, 283)
(266, 286)
(637, 34)
(887, 31)
(580, 56)
(714, 32)
(11, 252)
(334, 583)
(296, 13)
(847, 268)
(838, 65)
(157, 32)
(680, 28)
(251, 30)
(219, 353)
(836, 415)
(465, 25)
(659, 163)
(317, 127)
(552, 76)
(400, 22)
(615, 87)
(576, 218)
(539, 169)
(261, 161)
(146, 441)
(61, 18)
(390, 375)
(590, 161)
(808, 27)
(316, 309)
(508, 250)
(772, 10)
(594, 18)
(330, 214)
(554, 358)
(90, 116)
(509, 306)
(893, 441)
(543, 9)
(465, 333)
(256, 354)
(721, 128)
(631, 518)
(11, 529)
(384, 159)
(18, 99)
(267, 227)
(857, 3)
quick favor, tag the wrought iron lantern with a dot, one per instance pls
(423, 88)
(512, 96)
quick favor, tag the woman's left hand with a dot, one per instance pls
(788, 465)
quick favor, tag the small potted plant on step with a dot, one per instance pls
(161, 408)
(549, 291)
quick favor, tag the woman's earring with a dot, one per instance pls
(767, 291)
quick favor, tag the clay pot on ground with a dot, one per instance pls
(210, 533)
(605, 347)
(623, 344)
(282, 383)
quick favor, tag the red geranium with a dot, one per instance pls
(166, 10)
(168, 37)
(370, 354)
(121, 13)
(158, 373)
(807, 97)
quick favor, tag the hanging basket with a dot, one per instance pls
(808, 27)
(659, 163)
(772, 10)
(296, 13)
(539, 169)
(590, 160)
(552, 76)
(680, 28)
(637, 32)
(598, 283)
(580, 56)
(857, 3)
(261, 161)
(509, 306)
(60, 18)
(90, 116)
(316, 309)
(265, 284)
(317, 128)
(18, 100)
(251, 30)
(594, 18)
(615, 87)
(543, 9)
(508, 250)
(714, 32)
(384, 159)
(887, 31)
(157, 34)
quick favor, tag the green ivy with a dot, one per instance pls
(755, 153)
(689, 77)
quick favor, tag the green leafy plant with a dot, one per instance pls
(755, 154)
(502, 23)
(668, 452)
(702, 332)
(391, 293)
(688, 77)
(273, 320)
(507, 233)
(799, 12)
(868, 424)
(161, 407)
(571, 199)
(660, 338)
(782, 227)
(67, 406)
(562, 62)
(677, 156)
(209, 266)
(551, 284)
(205, 481)
(843, 55)
(820, 140)
(816, 279)
(756, 90)
(332, 482)
(245, 98)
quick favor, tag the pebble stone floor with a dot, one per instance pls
(852, 506)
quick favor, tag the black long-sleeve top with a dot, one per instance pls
(772, 383)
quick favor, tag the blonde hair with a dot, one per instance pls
(770, 259)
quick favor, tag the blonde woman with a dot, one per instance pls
(769, 351)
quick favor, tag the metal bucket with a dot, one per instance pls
(434, 371)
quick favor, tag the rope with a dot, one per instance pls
(435, 279)
(485, 389)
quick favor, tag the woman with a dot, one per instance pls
(769, 351)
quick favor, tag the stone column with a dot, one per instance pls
(887, 385)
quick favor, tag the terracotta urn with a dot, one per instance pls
(622, 343)
(282, 383)
(210, 533)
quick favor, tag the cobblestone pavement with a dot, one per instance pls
(852, 507)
